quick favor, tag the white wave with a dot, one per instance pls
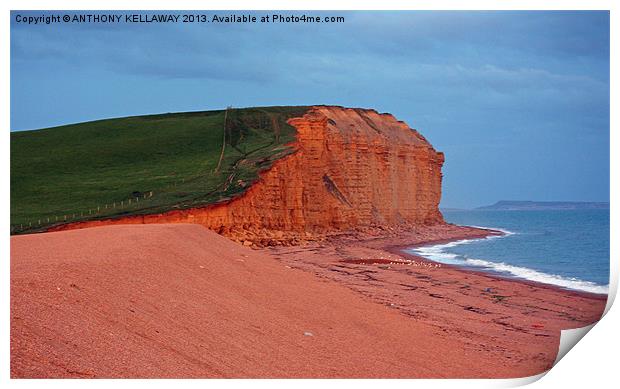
(505, 231)
(534, 275)
(437, 253)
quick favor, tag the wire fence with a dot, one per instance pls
(138, 200)
(108, 209)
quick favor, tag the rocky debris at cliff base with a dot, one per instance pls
(262, 238)
(271, 238)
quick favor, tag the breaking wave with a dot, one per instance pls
(440, 253)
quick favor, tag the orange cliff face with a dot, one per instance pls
(353, 168)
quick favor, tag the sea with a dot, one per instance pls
(565, 248)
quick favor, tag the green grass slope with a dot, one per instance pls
(143, 164)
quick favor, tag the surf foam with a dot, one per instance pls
(438, 253)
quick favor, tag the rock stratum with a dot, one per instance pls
(351, 169)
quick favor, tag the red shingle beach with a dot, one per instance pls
(178, 300)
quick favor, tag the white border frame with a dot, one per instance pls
(593, 361)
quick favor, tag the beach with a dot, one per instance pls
(516, 321)
(178, 300)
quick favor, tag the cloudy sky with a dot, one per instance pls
(518, 101)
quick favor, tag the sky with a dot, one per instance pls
(517, 101)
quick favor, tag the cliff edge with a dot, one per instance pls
(351, 169)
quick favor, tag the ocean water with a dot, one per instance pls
(567, 248)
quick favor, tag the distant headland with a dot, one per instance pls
(506, 205)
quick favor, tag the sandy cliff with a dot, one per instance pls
(353, 168)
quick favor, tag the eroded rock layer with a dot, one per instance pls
(353, 168)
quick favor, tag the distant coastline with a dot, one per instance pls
(506, 205)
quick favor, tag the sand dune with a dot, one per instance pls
(181, 301)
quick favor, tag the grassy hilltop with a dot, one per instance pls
(142, 164)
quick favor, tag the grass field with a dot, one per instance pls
(142, 164)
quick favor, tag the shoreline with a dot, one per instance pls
(401, 249)
(517, 321)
